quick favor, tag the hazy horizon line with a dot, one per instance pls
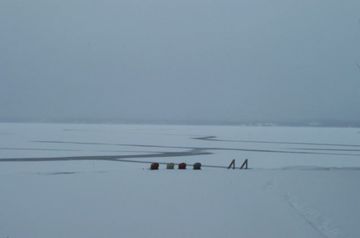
(294, 123)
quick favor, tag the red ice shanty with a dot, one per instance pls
(154, 166)
(182, 166)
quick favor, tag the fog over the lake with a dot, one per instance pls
(180, 60)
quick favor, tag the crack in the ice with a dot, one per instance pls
(215, 138)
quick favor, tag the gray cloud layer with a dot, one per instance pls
(180, 60)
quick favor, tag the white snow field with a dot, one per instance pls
(73, 180)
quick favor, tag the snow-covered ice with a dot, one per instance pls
(303, 182)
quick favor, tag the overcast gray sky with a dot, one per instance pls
(223, 60)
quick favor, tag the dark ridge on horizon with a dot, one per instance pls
(293, 123)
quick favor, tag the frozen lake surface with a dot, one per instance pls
(72, 180)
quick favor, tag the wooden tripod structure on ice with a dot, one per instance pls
(243, 166)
